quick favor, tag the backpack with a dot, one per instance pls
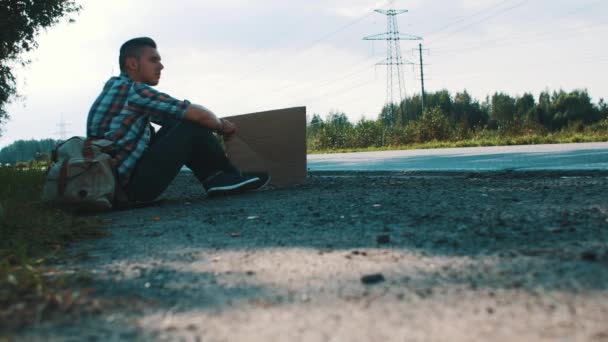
(82, 176)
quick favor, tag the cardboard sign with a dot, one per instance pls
(272, 141)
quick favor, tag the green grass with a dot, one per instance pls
(32, 236)
(484, 139)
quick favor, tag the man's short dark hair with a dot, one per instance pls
(132, 48)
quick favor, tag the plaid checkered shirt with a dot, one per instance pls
(122, 113)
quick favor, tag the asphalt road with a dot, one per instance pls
(582, 156)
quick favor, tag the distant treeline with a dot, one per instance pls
(26, 150)
(459, 117)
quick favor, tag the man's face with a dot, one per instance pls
(147, 67)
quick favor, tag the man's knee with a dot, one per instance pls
(194, 129)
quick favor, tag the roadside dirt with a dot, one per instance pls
(505, 256)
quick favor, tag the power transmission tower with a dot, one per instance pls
(63, 132)
(395, 82)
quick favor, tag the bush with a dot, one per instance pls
(366, 133)
(433, 125)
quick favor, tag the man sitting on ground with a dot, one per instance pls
(147, 161)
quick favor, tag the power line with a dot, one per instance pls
(464, 18)
(338, 92)
(517, 40)
(308, 46)
(360, 68)
(449, 34)
(551, 32)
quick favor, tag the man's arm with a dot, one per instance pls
(163, 107)
(205, 117)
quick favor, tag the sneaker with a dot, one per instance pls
(230, 183)
(264, 179)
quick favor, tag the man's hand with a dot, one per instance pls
(206, 118)
(228, 128)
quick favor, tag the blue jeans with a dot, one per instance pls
(172, 147)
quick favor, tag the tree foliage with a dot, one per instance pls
(26, 150)
(334, 131)
(502, 110)
(20, 22)
(448, 117)
(467, 113)
(434, 125)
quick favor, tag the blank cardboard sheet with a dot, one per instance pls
(272, 141)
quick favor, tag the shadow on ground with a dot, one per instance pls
(426, 232)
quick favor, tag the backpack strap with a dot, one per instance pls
(87, 150)
(62, 181)
(54, 155)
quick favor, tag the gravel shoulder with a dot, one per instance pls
(454, 256)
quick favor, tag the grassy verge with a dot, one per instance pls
(32, 236)
(486, 139)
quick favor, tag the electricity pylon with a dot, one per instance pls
(395, 81)
(63, 132)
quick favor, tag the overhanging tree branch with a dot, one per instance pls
(20, 23)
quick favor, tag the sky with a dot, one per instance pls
(237, 56)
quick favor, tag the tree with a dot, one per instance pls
(603, 109)
(335, 131)
(390, 115)
(367, 133)
(20, 22)
(524, 107)
(433, 125)
(467, 112)
(315, 124)
(26, 150)
(503, 109)
(413, 109)
(338, 119)
(441, 99)
(573, 107)
(542, 111)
